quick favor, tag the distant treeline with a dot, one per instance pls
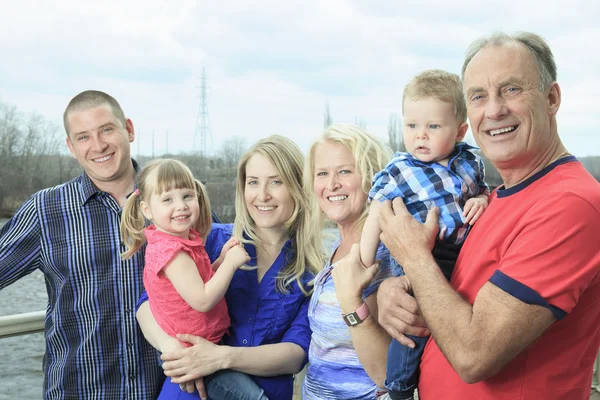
(33, 156)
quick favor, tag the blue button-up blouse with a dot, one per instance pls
(259, 313)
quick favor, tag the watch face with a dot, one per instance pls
(351, 319)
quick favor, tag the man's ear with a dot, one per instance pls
(554, 98)
(130, 130)
(71, 148)
(462, 131)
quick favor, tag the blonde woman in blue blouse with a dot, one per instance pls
(269, 333)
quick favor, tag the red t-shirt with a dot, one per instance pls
(537, 241)
(169, 309)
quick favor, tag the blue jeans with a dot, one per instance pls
(402, 369)
(222, 385)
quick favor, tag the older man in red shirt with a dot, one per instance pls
(520, 317)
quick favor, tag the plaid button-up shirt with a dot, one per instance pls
(423, 185)
(94, 347)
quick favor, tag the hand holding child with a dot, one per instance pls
(474, 208)
(350, 277)
(171, 345)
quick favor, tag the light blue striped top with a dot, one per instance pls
(334, 371)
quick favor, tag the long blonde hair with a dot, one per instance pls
(307, 249)
(370, 155)
(167, 174)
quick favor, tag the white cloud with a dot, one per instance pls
(272, 65)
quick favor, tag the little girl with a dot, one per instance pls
(185, 292)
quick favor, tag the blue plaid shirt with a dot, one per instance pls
(423, 185)
(94, 347)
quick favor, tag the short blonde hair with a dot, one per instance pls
(440, 85)
(370, 155)
(159, 176)
(308, 252)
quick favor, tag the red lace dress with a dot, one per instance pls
(169, 309)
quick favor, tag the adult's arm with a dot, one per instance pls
(479, 339)
(205, 358)
(20, 244)
(369, 339)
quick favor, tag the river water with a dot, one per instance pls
(21, 375)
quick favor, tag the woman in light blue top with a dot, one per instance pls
(347, 355)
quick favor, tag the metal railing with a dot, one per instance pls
(22, 324)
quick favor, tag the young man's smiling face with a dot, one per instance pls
(100, 143)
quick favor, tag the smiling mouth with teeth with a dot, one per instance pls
(102, 159)
(337, 198)
(495, 132)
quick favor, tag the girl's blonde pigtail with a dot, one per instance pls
(204, 223)
(132, 225)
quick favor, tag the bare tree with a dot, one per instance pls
(40, 146)
(30, 150)
(232, 150)
(327, 121)
(395, 140)
(360, 122)
(10, 119)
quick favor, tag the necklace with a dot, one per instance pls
(561, 155)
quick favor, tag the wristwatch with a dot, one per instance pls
(358, 316)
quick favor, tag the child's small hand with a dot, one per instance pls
(237, 256)
(233, 241)
(474, 208)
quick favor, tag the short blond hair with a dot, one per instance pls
(370, 155)
(440, 85)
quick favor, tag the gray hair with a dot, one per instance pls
(535, 44)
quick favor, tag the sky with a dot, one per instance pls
(272, 65)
